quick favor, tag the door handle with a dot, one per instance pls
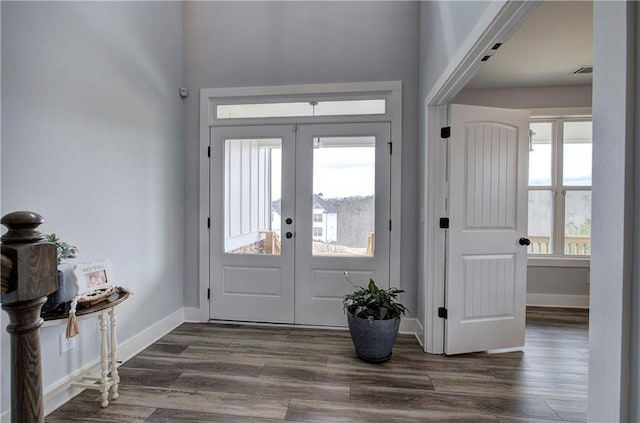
(288, 235)
(524, 241)
(289, 221)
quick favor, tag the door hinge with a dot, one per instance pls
(444, 223)
(389, 225)
(445, 132)
(390, 147)
(208, 151)
(208, 293)
(442, 312)
(208, 222)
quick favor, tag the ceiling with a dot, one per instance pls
(555, 40)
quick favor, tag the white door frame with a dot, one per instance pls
(210, 97)
(497, 24)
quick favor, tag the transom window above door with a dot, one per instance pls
(301, 108)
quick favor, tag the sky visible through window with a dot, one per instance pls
(342, 172)
(338, 172)
(577, 154)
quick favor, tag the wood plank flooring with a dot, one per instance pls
(233, 373)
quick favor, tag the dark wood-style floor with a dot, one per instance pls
(231, 373)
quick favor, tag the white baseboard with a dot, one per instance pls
(555, 300)
(420, 333)
(61, 391)
(135, 344)
(408, 325)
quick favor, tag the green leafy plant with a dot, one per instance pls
(64, 250)
(373, 303)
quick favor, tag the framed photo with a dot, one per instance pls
(93, 276)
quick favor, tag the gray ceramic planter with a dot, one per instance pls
(373, 339)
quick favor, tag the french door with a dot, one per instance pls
(294, 208)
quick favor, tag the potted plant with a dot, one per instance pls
(64, 251)
(374, 317)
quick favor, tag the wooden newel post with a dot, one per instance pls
(28, 276)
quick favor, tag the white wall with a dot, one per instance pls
(613, 362)
(527, 98)
(634, 388)
(92, 139)
(247, 199)
(444, 26)
(230, 44)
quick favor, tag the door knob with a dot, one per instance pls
(289, 221)
(524, 241)
(288, 235)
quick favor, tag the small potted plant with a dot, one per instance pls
(374, 317)
(64, 251)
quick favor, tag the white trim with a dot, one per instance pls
(560, 112)
(301, 89)
(148, 336)
(61, 391)
(557, 300)
(419, 333)
(203, 210)
(557, 261)
(391, 90)
(497, 24)
(433, 236)
(408, 326)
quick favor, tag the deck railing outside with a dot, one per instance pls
(573, 245)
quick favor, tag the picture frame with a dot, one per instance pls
(90, 277)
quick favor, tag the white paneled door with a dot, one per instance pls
(294, 207)
(486, 253)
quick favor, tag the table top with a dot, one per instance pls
(111, 301)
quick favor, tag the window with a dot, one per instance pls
(302, 108)
(317, 217)
(560, 187)
(317, 232)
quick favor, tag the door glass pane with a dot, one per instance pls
(343, 203)
(540, 154)
(577, 154)
(540, 222)
(252, 187)
(577, 223)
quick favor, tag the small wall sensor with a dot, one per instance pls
(184, 93)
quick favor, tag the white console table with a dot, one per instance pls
(105, 310)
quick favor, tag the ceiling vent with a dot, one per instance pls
(582, 69)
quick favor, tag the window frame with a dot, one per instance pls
(558, 258)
